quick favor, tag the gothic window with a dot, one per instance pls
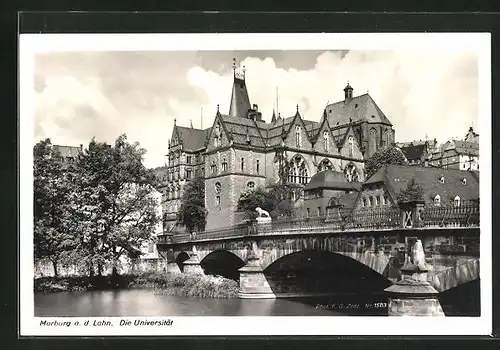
(298, 138)
(224, 164)
(351, 173)
(437, 200)
(216, 141)
(381, 200)
(298, 172)
(364, 204)
(325, 139)
(373, 140)
(257, 167)
(218, 190)
(375, 201)
(350, 140)
(456, 201)
(387, 138)
(250, 185)
(213, 168)
(386, 200)
(325, 165)
(242, 164)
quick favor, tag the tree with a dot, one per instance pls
(277, 201)
(390, 155)
(116, 206)
(251, 199)
(53, 238)
(192, 213)
(413, 192)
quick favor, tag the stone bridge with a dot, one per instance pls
(298, 259)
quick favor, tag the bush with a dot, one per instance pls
(197, 286)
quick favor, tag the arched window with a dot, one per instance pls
(456, 201)
(437, 200)
(381, 200)
(242, 164)
(350, 140)
(351, 173)
(364, 202)
(298, 136)
(368, 202)
(298, 172)
(257, 166)
(387, 138)
(250, 185)
(218, 190)
(224, 164)
(325, 141)
(375, 201)
(325, 164)
(217, 135)
(373, 140)
(213, 167)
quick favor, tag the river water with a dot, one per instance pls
(140, 302)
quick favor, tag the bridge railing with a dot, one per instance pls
(379, 218)
(451, 216)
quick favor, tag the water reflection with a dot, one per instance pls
(148, 303)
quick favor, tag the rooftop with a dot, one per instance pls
(447, 183)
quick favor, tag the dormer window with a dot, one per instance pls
(350, 140)
(456, 201)
(298, 140)
(437, 200)
(441, 179)
(464, 181)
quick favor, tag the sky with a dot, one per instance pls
(80, 95)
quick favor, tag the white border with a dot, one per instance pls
(30, 44)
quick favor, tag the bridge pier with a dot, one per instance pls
(413, 295)
(192, 265)
(172, 267)
(253, 282)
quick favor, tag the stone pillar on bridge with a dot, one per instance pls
(253, 282)
(192, 265)
(172, 267)
(413, 295)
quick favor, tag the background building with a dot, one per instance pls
(458, 154)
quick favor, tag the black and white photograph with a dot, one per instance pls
(255, 184)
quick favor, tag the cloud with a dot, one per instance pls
(81, 95)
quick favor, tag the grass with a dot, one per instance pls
(191, 285)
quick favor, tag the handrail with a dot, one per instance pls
(361, 219)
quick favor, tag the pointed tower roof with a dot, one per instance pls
(240, 102)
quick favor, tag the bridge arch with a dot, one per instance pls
(222, 263)
(180, 258)
(322, 272)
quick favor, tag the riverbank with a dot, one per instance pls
(196, 286)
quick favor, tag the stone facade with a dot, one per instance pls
(241, 151)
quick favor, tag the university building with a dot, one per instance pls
(242, 151)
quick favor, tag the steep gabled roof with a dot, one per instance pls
(397, 177)
(359, 108)
(413, 152)
(467, 148)
(191, 139)
(241, 128)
